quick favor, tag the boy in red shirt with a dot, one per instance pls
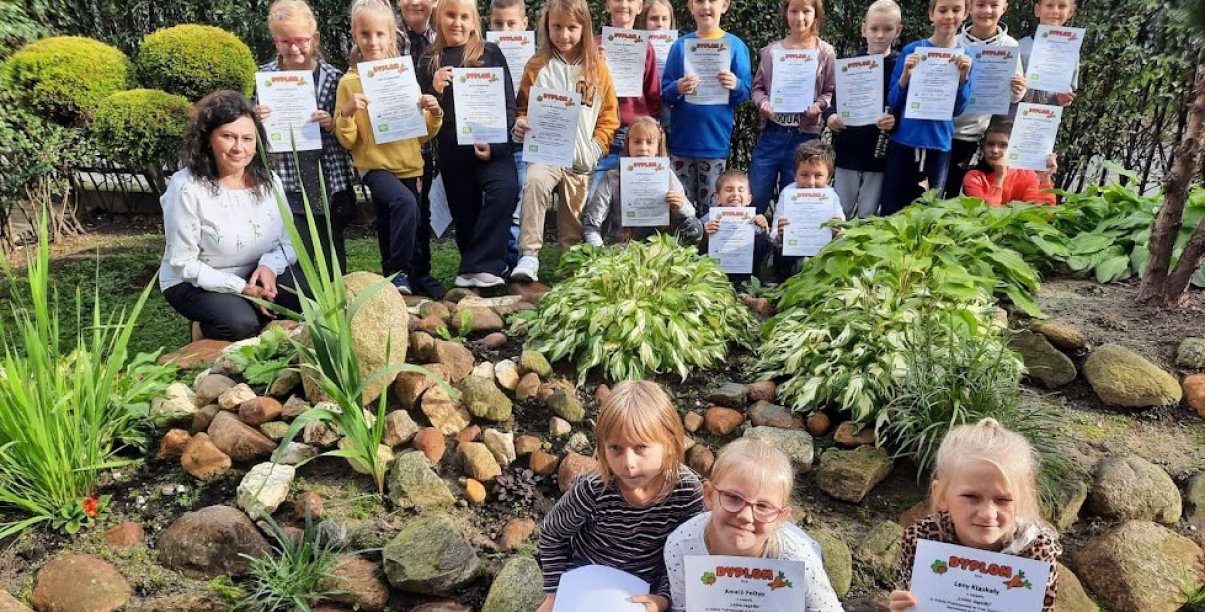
(997, 184)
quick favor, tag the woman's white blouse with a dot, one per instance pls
(215, 241)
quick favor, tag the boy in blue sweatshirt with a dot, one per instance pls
(700, 135)
(920, 148)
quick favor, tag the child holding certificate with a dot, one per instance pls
(984, 29)
(998, 184)
(794, 84)
(623, 15)
(749, 515)
(390, 170)
(604, 209)
(569, 62)
(861, 158)
(732, 191)
(1049, 13)
(295, 31)
(621, 515)
(481, 184)
(511, 16)
(920, 148)
(814, 161)
(703, 100)
(658, 19)
(983, 495)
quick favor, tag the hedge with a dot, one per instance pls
(63, 78)
(140, 128)
(194, 60)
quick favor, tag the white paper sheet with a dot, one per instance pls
(719, 583)
(441, 215)
(860, 98)
(707, 59)
(480, 97)
(290, 95)
(626, 52)
(1035, 129)
(595, 587)
(517, 48)
(1054, 59)
(393, 97)
(992, 70)
(644, 181)
(806, 209)
(732, 244)
(793, 86)
(947, 577)
(552, 116)
(662, 40)
(933, 87)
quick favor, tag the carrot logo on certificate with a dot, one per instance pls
(728, 584)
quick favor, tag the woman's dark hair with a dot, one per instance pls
(215, 110)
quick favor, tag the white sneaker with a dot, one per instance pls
(528, 269)
(485, 280)
(465, 281)
(593, 238)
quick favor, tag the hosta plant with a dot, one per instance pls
(640, 309)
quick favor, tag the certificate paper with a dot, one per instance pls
(707, 59)
(393, 97)
(1054, 58)
(1032, 140)
(793, 86)
(732, 244)
(991, 89)
(596, 587)
(737, 584)
(934, 84)
(860, 98)
(517, 48)
(662, 40)
(626, 52)
(951, 577)
(480, 98)
(643, 182)
(807, 209)
(290, 95)
(552, 116)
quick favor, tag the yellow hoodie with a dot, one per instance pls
(402, 158)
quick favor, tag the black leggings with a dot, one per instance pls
(342, 212)
(396, 204)
(229, 316)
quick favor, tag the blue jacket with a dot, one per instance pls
(699, 130)
(923, 133)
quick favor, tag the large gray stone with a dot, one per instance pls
(1132, 488)
(211, 542)
(1191, 353)
(431, 557)
(838, 561)
(1071, 596)
(517, 588)
(1068, 499)
(80, 582)
(1044, 363)
(1194, 501)
(851, 474)
(484, 399)
(1120, 377)
(264, 488)
(730, 395)
(411, 482)
(881, 548)
(795, 443)
(1140, 566)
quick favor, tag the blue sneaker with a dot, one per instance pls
(401, 282)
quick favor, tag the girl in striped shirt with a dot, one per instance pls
(621, 515)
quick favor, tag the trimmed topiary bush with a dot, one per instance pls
(638, 310)
(141, 128)
(194, 60)
(63, 78)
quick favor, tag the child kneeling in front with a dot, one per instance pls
(749, 515)
(621, 515)
(603, 215)
(983, 495)
(996, 183)
(732, 190)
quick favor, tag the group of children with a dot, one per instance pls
(498, 202)
(644, 512)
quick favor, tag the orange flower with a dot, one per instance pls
(91, 507)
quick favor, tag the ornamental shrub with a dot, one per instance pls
(194, 60)
(63, 78)
(141, 128)
(636, 310)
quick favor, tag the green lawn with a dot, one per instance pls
(126, 263)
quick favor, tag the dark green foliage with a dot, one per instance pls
(291, 579)
(262, 362)
(140, 128)
(63, 78)
(17, 28)
(193, 60)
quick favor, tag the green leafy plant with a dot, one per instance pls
(326, 350)
(291, 578)
(59, 423)
(193, 60)
(142, 129)
(644, 308)
(261, 363)
(144, 380)
(63, 78)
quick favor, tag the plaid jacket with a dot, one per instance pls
(336, 162)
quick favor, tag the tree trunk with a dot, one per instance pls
(1158, 285)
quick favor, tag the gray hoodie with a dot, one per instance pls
(970, 127)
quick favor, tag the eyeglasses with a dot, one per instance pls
(731, 501)
(300, 42)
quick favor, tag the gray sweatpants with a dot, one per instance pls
(859, 192)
